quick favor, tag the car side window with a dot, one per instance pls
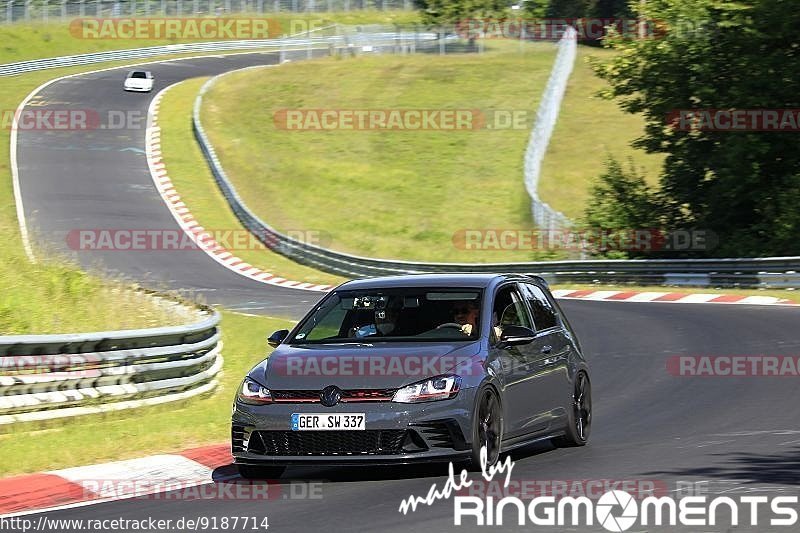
(508, 310)
(544, 315)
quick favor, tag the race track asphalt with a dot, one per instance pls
(740, 434)
(98, 179)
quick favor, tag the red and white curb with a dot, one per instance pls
(668, 297)
(184, 475)
(180, 211)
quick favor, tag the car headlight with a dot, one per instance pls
(438, 388)
(253, 393)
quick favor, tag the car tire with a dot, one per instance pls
(579, 419)
(260, 472)
(487, 428)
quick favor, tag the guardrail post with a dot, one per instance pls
(276, 7)
(45, 10)
(10, 11)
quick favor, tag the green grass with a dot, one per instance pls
(193, 180)
(392, 194)
(163, 429)
(36, 40)
(589, 130)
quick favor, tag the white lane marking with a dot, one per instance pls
(698, 298)
(601, 295)
(646, 296)
(107, 479)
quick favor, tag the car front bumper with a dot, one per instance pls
(138, 89)
(395, 433)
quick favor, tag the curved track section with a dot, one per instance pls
(98, 179)
(738, 433)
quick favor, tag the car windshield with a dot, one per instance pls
(393, 315)
(139, 75)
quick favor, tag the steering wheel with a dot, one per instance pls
(450, 325)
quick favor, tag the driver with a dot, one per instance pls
(466, 314)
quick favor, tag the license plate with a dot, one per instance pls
(328, 422)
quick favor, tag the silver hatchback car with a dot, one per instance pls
(405, 369)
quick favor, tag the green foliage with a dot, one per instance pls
(435, 12)
(744, 186)
(621, 201)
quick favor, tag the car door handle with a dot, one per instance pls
(547, 349)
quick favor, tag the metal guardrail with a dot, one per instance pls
(53, 376)
(272, 45)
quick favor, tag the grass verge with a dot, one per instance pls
(163, 429)
(193, 180)
(392, 194)
(589, 130)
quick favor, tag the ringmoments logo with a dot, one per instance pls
(615, 510)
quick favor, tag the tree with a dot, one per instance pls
(621, 202)
(718, 55)
(438, 12)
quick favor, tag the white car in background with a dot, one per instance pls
(139, 81)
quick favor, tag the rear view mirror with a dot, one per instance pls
(516, 335)
(276, 338)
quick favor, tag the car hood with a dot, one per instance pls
(360, 366)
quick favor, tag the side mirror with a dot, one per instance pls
(276, 338)
(516, 335)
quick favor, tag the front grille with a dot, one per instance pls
(369, 442)
(295, 396)
(368, 395)
(348, 396)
